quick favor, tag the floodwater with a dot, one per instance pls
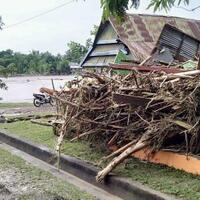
(21, 89)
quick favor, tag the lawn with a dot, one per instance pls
(158, 177)
(31, 183)
(44, 135)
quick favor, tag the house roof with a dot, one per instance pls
(139, 32)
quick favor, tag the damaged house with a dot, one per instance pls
(140, 36)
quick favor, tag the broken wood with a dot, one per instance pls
(187, 74)
(135, 147)
(119, 110)
(83, 134)
(118, 151)
(28, 117)
(42, 123)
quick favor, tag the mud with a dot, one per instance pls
(14, 185)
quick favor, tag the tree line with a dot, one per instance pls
(36, 62)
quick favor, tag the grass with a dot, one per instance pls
(41, 184)
(158, 177)
(15, 105)
(44, 135)
(162, 178)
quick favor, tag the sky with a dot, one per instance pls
(52, 32)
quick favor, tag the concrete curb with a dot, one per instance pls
(124, 188)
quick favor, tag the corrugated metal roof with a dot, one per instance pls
(182, 46)
(106, 48)
(141, 32)
(102, 61)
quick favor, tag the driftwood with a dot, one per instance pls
(118, 151)
(27, 118)
(47, 90)
(116, 161)
(101, 110)
(145, 60)
(84, 134)
(187, 74)
(39, 122)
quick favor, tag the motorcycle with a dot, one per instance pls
(40, 99)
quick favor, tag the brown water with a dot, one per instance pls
(21, 89)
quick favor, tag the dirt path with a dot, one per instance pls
(19, 180)
(26, 110)
(22, 183)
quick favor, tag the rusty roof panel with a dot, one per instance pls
(141, 32)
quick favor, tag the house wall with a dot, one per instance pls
(105, 48)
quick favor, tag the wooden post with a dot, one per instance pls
(57, 111)
(198, 67)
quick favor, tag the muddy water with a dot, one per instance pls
(21, 89)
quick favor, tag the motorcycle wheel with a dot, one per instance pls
(52, 101)
(36, 103)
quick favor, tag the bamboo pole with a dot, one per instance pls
(198, 67)
(119, 150)
(117, 160)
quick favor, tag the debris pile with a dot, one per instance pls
(132, 112)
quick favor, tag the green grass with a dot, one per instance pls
(44, 135)
(15, 105)
(161, 178)
(45, 185)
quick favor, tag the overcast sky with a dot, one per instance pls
(52, 32)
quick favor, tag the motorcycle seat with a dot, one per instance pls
(39, 95)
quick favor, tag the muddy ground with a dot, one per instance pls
(26, 110)
(19, 180)
(15, 185)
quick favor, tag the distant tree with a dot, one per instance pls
(33, 63)
(76, 52)
(7, 67)
(1, 23)
(94, 30)
(63, 67)
(88, 43)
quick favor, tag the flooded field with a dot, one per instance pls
(21, 89)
